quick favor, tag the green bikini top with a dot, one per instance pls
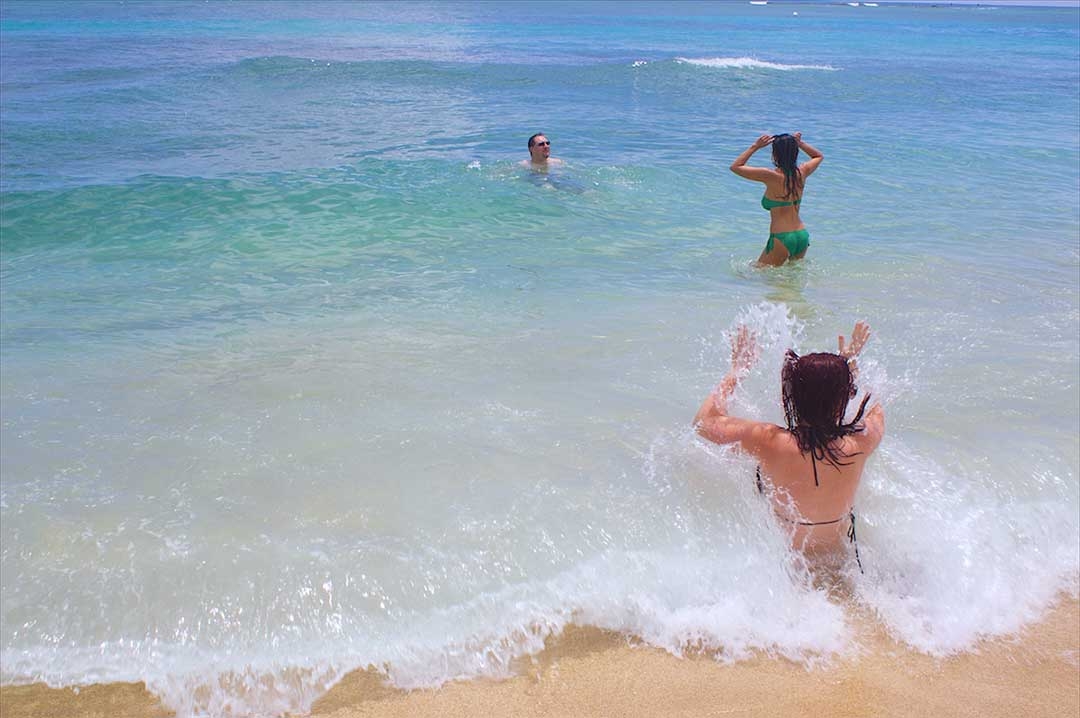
(767, 203)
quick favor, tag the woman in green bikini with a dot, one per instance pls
(784, 184)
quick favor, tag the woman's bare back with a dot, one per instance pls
(788, 477)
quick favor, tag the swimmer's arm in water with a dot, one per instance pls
(757, 174)
(807, 168)
(712, 420)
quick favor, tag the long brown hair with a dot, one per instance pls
(816, 389)
(785, 155)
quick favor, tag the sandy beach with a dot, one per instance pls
(588, 672)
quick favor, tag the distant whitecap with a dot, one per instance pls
(748, 63)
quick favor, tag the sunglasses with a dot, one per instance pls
(543, 144)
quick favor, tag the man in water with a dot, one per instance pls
(540, 158)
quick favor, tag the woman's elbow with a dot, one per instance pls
(711, 431)
(699, 425)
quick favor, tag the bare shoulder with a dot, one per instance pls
(754, 437)
(873, 427)
(764, 438)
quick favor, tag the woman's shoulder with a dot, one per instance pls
(779, 441)
(873, 426)
(763, 438)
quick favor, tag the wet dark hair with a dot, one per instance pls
(816, 389)
(785, 155)
(532, 140)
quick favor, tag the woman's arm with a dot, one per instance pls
(712, 420)
(715, 405)
(874, 421)
(758, 174)
(807, 168)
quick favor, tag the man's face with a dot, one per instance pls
(541, 149)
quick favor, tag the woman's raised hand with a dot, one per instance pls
(859, 336)
(744, 351)
(763, 141)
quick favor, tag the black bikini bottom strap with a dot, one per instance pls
(851, 515)
(818, 523)
(854, 542)
(850, 532)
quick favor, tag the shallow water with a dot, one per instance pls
(301, 372)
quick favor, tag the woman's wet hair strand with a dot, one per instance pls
(816, 389)
(785, 154)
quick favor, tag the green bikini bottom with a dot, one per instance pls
(796, 242)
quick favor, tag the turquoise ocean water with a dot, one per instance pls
(301, 372)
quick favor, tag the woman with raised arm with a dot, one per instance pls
(784, 185)
(811, 468)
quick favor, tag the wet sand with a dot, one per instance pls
(590, 672)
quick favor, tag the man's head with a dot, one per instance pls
(539, 148)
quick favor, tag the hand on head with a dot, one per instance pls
(763, 141)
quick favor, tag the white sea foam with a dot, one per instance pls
(748, 63)
(673, 600)
(672, 546)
